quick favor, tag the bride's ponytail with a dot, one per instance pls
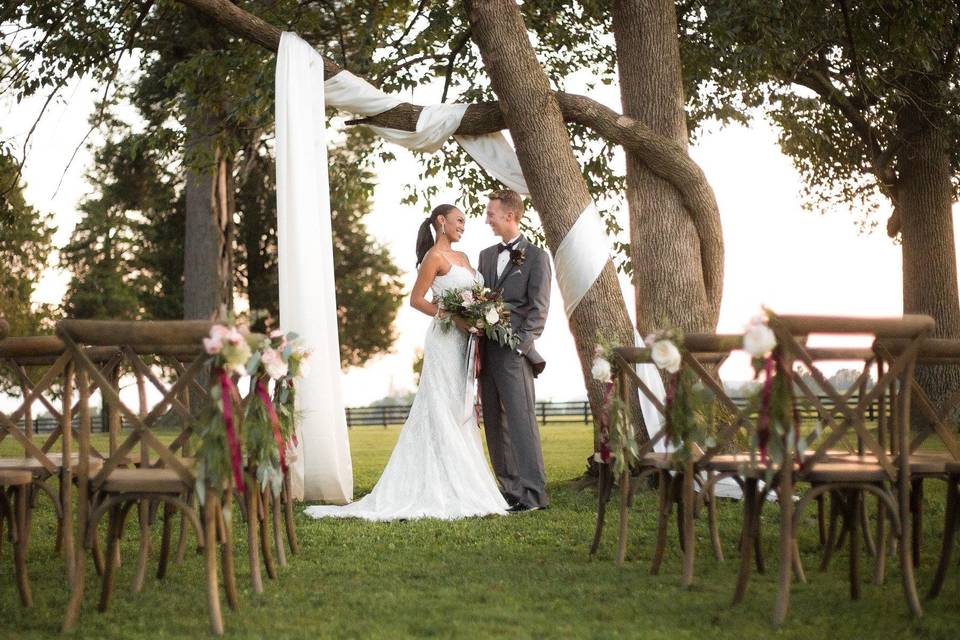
(425, 239)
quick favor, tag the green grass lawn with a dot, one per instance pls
(523, 576)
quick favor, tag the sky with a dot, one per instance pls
(776, 253)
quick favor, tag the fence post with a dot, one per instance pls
(383, 415)
(543, 412)
(586, 412)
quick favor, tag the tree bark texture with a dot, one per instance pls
(208, 254)
(678, 272)
(929, 257)
(557, 188)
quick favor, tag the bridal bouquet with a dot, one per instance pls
(481, 308)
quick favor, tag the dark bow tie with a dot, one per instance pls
(507, 247)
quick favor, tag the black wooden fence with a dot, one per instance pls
(571, 413)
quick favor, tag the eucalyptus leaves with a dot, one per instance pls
(253, 433)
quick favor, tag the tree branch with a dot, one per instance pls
(664, 157)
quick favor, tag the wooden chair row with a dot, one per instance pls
(140, 469)
(848, 461)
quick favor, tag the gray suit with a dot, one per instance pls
(506, 377)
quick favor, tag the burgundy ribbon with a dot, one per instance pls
(261, 390)
(236, 460)
(763, 420)
(476, 376)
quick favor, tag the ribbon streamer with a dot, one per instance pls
(261, 390)
(236, 460)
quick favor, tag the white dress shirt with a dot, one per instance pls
(503, 257)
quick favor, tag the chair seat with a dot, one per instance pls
(151, 480)
(851, 469)
(35, 467)
(14, 477)
(929, 462)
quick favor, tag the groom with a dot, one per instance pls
(522, 272)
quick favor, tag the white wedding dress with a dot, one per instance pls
(438, 469)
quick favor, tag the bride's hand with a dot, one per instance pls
(463, 325)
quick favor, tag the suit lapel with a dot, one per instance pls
(488, 266)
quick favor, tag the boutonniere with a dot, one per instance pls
(517, 256)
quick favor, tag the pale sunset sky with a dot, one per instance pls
(777, 253)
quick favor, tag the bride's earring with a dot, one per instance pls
(443, 229)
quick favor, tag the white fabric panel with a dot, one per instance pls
(355, 95)
(497, 157)
(307, 291)
(581, 256)
(436, 124)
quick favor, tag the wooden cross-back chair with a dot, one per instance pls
(161, 474)
(16, 483)
(934, 449)
(24, 358)
(871, 469)
(704, 354)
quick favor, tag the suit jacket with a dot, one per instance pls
(526, 288)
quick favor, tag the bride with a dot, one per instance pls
(437, 469)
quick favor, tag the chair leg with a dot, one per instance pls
(22, 523)
(916, 510)
(949, 535)
(713, 525)
(880, 566)
(227, 564)
(688, 537)
(853, 508)
(169, 513)
(114, 529)
(905, 550)
(604, 484)
(821, 521)
(97, 552)
(787, 546)
(288, 515)
(663, 517)
(264, 523)
(143, 516)
(865, 531)
(253, 544)
(210, 558)
(624, 515)
(182, 538)
(746, 539)
(277, 517)
(831, 538)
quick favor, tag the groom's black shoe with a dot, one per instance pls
(521, 508)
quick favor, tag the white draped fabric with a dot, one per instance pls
(323, 470)
(579, 259)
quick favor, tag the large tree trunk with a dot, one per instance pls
(557, 187)
(208, 246)
(929, 257)
(669, 269)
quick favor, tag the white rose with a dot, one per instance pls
(666, 356)
(601, 370)
(492, 317)
(273, 363)
(759, 340)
